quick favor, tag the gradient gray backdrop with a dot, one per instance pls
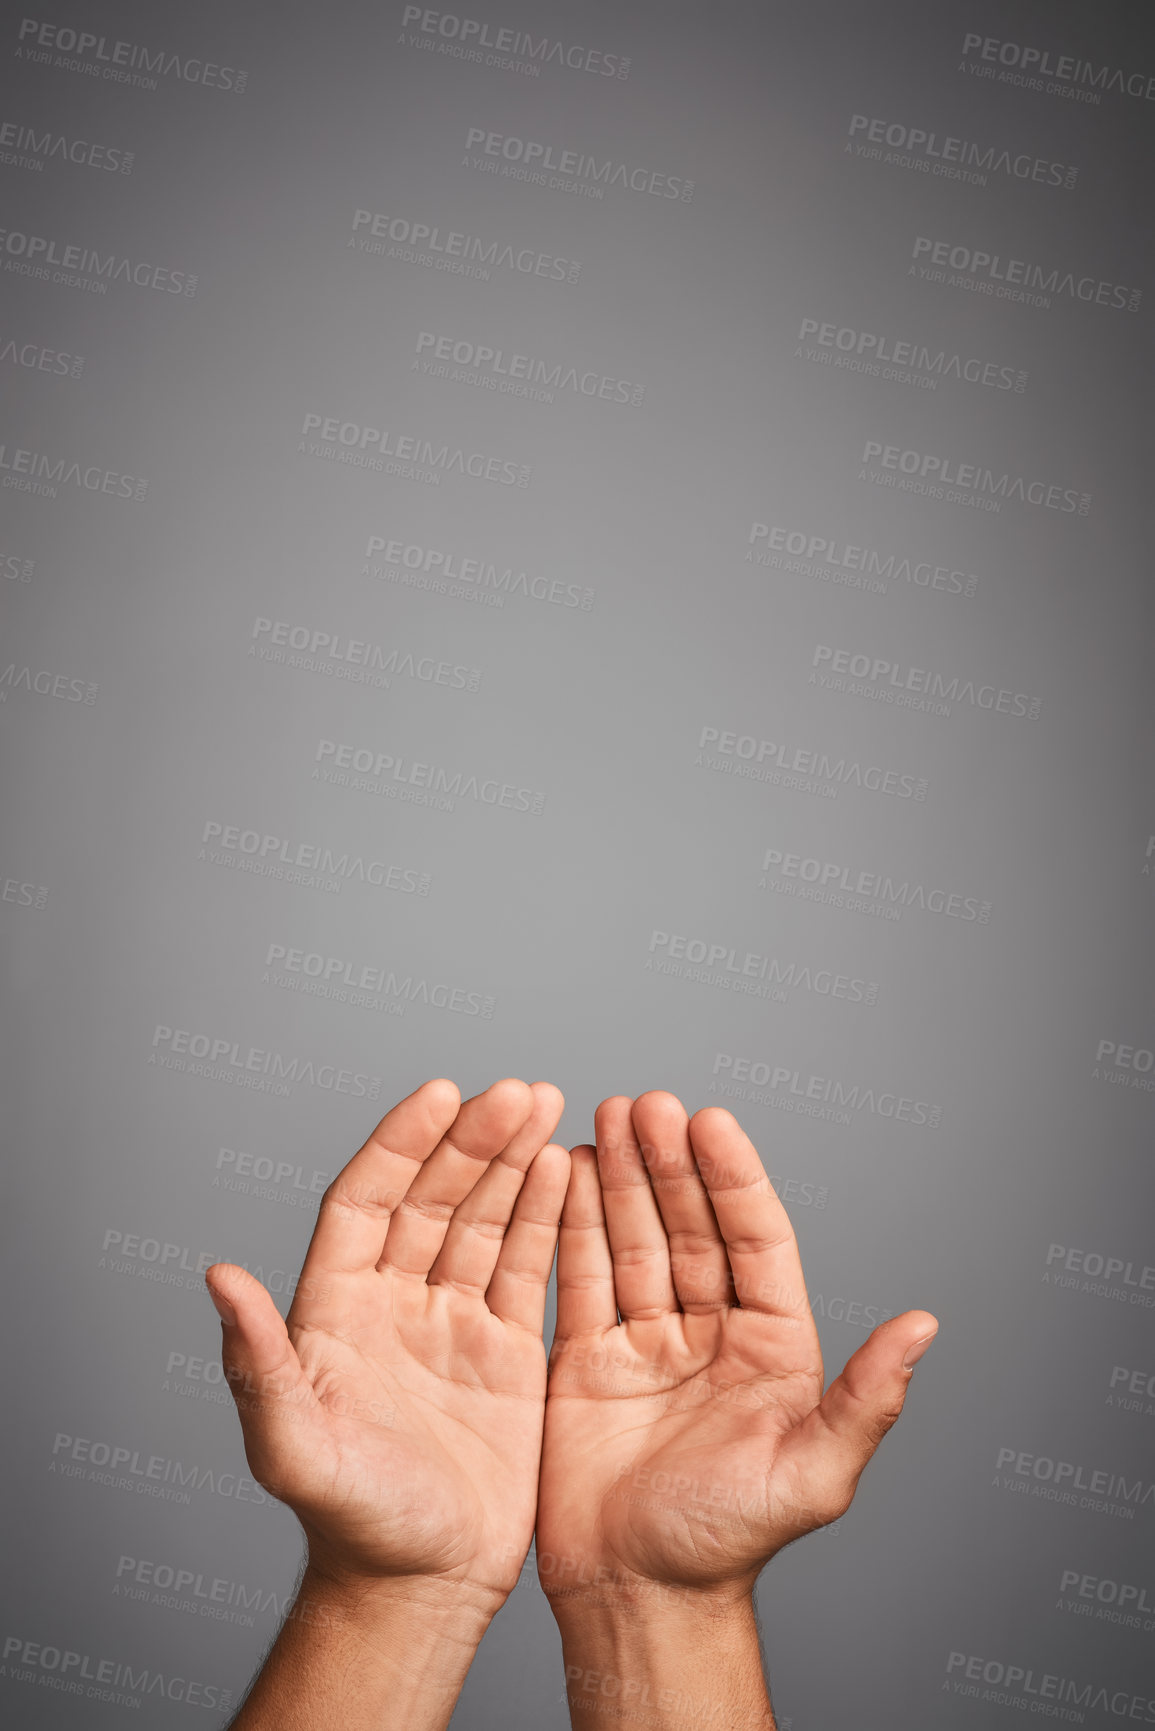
(626, 729)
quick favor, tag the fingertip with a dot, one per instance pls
(921, 1333)
(583, 1196)
(909, 1325)
(927, 1324)
(515, 1093)
(615, 1105)
(442, 1097)
(243, 1292)
(222, 1287)
(658, 1099)
(552, 1167)
(709, 1117)
(549, 1091)
(222, 1277)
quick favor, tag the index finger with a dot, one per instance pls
(360, 1202)
(760, 1241)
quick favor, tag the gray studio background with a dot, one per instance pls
(806, 553)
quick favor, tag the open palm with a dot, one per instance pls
(398, 1410)
(687, 1442)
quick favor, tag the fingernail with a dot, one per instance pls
(915, 1352)
(224, 1309)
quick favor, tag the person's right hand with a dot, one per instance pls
(688, 1441)
(399, 1411)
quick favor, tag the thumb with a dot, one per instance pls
(837, 1439)
(261, 1367)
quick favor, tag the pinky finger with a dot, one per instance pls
(517, 1289)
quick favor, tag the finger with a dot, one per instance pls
(836, 1440)
(642, 1279)
(585, 1266)
(261, 1367)
(521, 1278)
(760, 1241)
(482, 1128)
(698, 1260)
(472, 1244)
(357, 1207)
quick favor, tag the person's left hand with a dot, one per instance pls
(399, 1410)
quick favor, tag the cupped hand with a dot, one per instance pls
(398, 1410)
(688, 1441)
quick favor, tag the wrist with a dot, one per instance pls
(675, 1658)
(444, 1608)
(640, 1611)
(580, 1592)
(364, 1652)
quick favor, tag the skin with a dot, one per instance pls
(690, 1440)
(398, 1409)
(401, 1410)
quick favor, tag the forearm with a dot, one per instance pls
(666, 1661)
(368, 1657)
